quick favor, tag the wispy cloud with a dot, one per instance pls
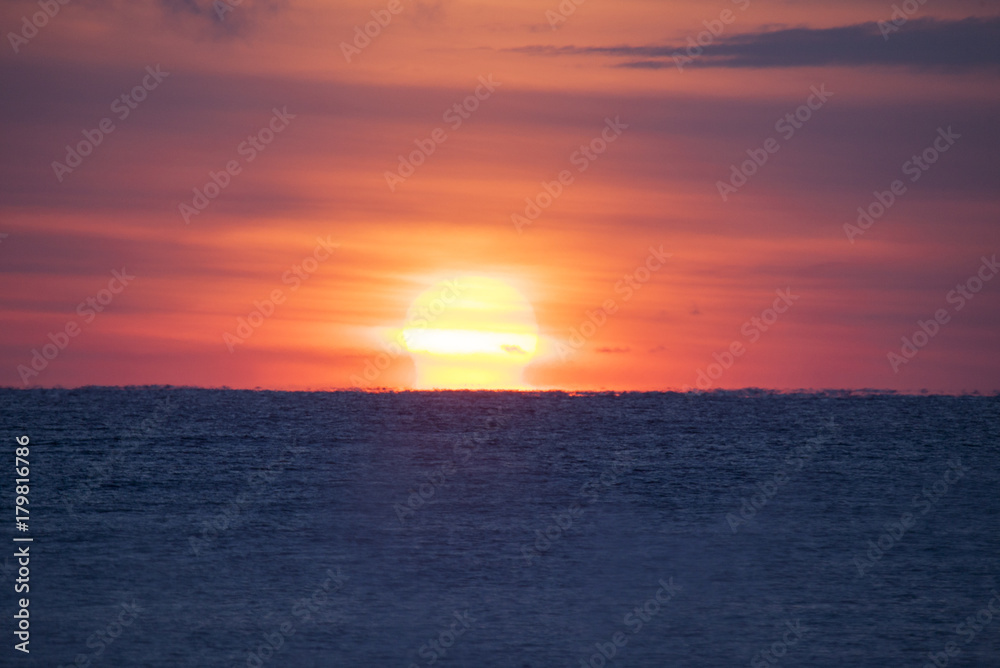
(970, 43)
(221, 17)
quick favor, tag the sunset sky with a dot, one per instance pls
(649, 216)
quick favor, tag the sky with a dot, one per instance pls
(665, 194)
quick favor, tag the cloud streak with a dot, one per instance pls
(967, 44)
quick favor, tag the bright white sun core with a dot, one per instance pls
(471, 332)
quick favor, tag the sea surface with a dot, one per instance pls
(187, 527)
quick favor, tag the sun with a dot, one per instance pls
(471, 332)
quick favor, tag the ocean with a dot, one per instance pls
(190, 527)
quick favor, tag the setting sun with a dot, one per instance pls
(471, 333)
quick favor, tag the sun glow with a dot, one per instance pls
(471, 333)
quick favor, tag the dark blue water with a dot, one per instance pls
(181, 527)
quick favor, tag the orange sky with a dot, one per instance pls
(655, 185)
